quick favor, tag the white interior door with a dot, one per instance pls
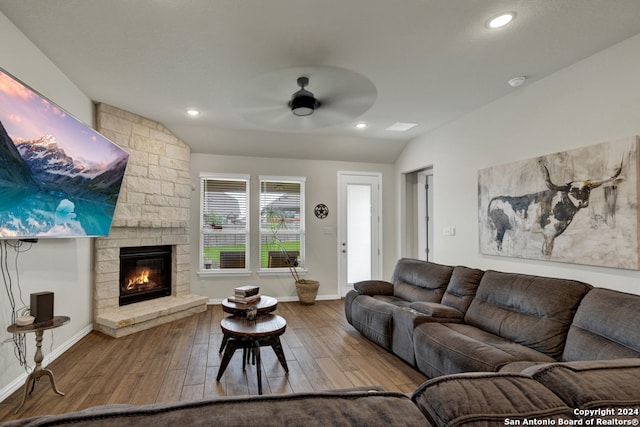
(359, 229)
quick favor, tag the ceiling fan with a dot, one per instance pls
(303, 103)
(338, 96)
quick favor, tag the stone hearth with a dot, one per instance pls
(153, 210)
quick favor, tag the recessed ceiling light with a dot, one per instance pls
(361, 125)
(501, 20)
(193, 112)
(516, 81)
(401, 127)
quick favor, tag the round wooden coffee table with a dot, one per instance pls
(250, 335)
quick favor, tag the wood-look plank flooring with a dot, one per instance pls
(179, 361)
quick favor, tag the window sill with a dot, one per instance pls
(280, 272)
(224, 272)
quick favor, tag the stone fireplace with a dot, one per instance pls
(152, 212)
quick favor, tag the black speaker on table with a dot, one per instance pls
(42, 306)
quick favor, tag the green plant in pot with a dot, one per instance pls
(307, 289)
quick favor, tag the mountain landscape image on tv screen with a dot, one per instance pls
(58, 176)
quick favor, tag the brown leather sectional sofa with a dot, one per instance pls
(446, 320)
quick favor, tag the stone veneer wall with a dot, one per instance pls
(153, 209)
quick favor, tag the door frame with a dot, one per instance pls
(376, 261)
(425, 214)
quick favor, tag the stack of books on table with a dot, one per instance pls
(245, 295)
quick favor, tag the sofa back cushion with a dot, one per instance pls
(606, 326)
(299, 409)
(462, 287)
(530, 310)
(415, 280)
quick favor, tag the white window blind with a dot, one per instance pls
(224, 235)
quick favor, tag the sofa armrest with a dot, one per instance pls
(488, 399)
(373, 287)
(595, 384)
(437, 310)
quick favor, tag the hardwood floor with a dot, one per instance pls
(179, 361)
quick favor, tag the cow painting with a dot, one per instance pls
(548, 212)
(576, 206)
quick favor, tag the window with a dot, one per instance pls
(281, 222)
(224, 229)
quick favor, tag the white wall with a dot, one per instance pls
(62, 266)
(593, 101)
(321, 238)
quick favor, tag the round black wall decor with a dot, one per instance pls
(321, 211)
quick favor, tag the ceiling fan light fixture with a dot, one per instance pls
(303, 103)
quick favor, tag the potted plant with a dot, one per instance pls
(307, 289)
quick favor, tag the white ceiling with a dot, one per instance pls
(431, 61)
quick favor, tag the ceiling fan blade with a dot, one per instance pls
(352, 106)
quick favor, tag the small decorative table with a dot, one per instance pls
(38, 371)
(265, 305)
(250, 335)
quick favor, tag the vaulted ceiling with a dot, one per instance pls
(426, 62)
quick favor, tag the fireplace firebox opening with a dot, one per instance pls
(145, 273)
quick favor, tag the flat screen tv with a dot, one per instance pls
(58, 176)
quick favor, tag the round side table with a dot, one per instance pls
(250, 335)
(265, 305)
(38, 371)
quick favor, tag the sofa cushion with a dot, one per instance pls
(531, 310)
(415, 280)
(462, 287)
(488, 399)
(600, 386)
(308, 409)
(449, 348)
(604, 327)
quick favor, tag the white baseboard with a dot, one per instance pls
(57, 352)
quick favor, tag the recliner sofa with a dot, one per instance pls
(446, 320)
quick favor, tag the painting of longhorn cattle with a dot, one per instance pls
(578, 206)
